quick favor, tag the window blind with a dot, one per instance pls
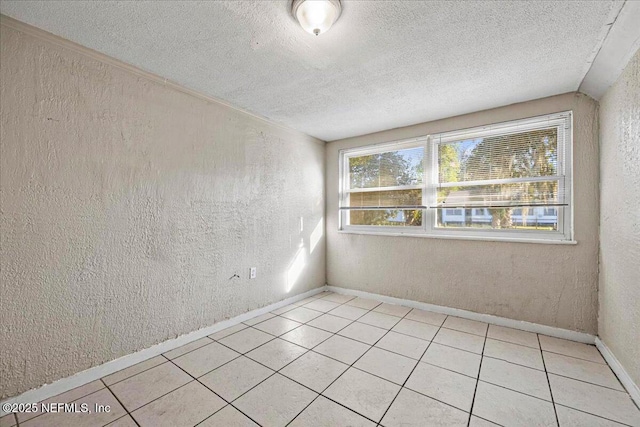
(386, 180)
(496, 180)
(516, 166)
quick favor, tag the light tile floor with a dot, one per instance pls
(335, 360)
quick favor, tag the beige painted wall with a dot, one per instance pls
(553, 285)
(127, 205)
(619, 293)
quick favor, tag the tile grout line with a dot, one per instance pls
(513, 363)
(274, 336)
(420, 361)
(412, 370)
(356, 320)
(204, 385)
(15, 414)
(487, 420)
(121, 404)
(515, 391)
(137, 373)
(351, 321)
(370, 346)
(166, 359)
(18, 422)
(274, 371)
(573, 357)
(332, 334)
(415, 391)
(594, 415)
(546, 373)
(148, 369)
(447, 369)
(509, 342)
(235, 358)
(348, 367)
(588, 382)
(244, 354)
(186, 352)
(160, 397)
(118, 419)
(475, 391)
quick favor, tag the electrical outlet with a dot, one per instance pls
(252, 273)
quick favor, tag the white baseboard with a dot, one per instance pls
(65, 384)
(488, 318)
(49, 390)
(618, 369)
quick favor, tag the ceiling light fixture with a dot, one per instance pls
(316, 16)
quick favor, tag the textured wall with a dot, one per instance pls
(619, 293)
(553, 285)
(126, 206)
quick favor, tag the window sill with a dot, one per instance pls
(453, 237)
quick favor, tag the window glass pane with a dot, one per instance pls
(525, 218)
(517, 155)
(513, 177)
(386, 198)
(389, 169)
(498, 195)
(391, 217)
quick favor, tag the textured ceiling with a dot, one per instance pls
(384, 64)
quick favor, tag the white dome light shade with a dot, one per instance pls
(316, 16)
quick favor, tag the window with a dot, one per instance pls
(384, 188)
(505, 181)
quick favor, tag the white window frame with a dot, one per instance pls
(563, 121)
